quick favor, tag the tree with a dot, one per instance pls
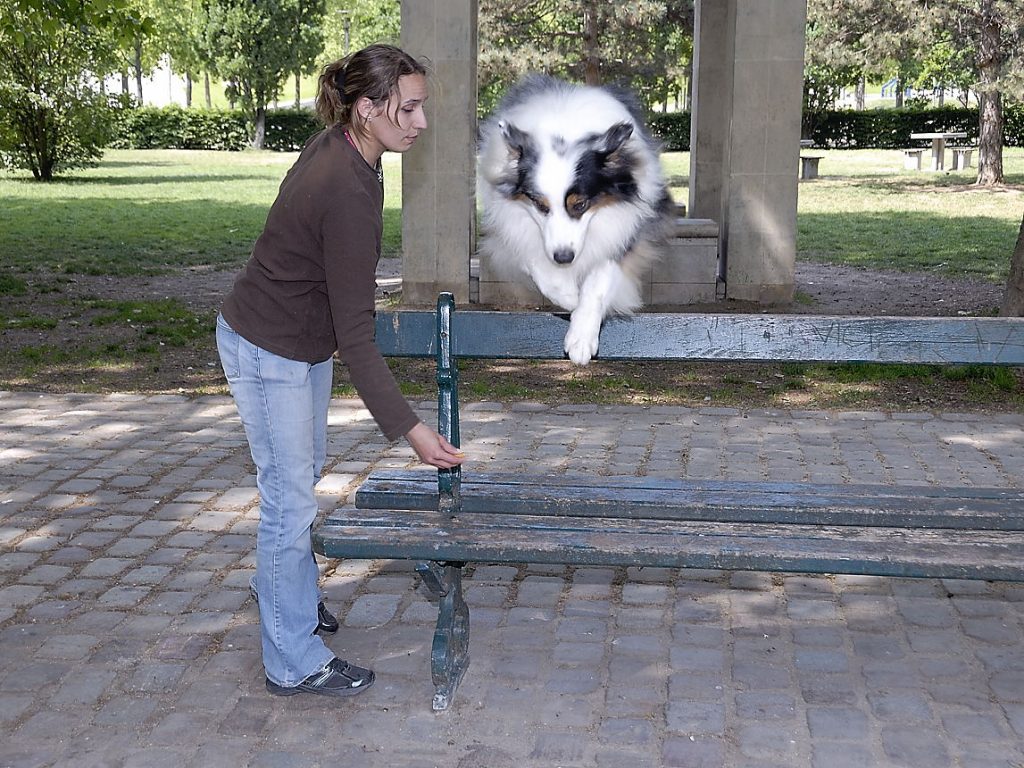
(946, 65)
(993, 32)
(908, 37)
(1013, 298)
(53, 115)
(179, 30)
(354, 24)
(874, 38)
(643, 45)
(255, 46)
(309, 39)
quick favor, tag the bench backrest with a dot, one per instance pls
(708, 337)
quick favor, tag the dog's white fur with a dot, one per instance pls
(531, 154)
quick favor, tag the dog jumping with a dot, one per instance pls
(573, 199)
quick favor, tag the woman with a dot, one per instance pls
(306, 292)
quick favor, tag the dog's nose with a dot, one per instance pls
(564, 255)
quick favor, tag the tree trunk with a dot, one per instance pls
(138, 68)
(591, 48)
(206, 90)
(260, 133)
(859, 94)
(298, 90)
(990, 99)
(900, 85)
(1013, 299)
(188, 90)
(124, 83)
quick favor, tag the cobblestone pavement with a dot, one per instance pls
(128, 638)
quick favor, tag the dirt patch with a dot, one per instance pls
(53, 341)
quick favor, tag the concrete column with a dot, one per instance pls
(438, 173)
(748, 97)
(714, 26)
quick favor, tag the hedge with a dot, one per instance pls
(866, 129)
(177, 128)
(287, 129)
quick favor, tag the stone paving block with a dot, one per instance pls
(46, 574)
(16, 562)
(842, 755)
(702, 752)
(578, 653)
(839, 724)
(372, 610)
(13, 706)
(19, 595)
(915, 746)
(85, 688)
(67, 647)
(124, 597)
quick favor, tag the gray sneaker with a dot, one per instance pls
(338, 678)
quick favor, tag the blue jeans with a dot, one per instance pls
(283, 406)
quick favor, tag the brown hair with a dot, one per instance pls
(372, 72)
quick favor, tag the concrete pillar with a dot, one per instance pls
(438, 173)
(745, 143)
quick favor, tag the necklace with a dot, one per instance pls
(378, 168)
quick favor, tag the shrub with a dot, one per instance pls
(288, 129)
(225, 129)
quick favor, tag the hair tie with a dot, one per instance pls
(339, 83)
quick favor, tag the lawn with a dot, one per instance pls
(142, 212)
(866, 210)
(147, 211)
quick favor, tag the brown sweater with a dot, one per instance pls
(308, 288)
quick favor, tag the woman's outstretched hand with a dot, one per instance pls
(432, 448)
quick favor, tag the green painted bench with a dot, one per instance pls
(443, 520)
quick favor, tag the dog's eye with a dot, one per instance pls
(577, 205)
(538, 202)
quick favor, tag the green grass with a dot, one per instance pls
(168, 320)
(867, 211)
(145, 212)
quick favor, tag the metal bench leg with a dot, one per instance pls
(449, 655)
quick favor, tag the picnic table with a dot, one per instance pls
(938, 140)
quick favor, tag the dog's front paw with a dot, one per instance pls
(580, 345)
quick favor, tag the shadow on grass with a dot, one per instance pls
(978, 246)
(934, 183)
(116, 236)
(149, 179)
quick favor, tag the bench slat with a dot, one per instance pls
(418, 535)
(711, 337)
(661, 498)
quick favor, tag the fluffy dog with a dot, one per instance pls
(573, 198)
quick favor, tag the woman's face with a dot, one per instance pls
(397, 123)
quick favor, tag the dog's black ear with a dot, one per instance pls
(518, 141)
(613, 138)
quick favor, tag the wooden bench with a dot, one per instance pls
(444, 520)
(961, 157)
(809, 166)
(912, 159)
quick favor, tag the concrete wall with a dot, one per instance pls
(438, 173)
(745, 139)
